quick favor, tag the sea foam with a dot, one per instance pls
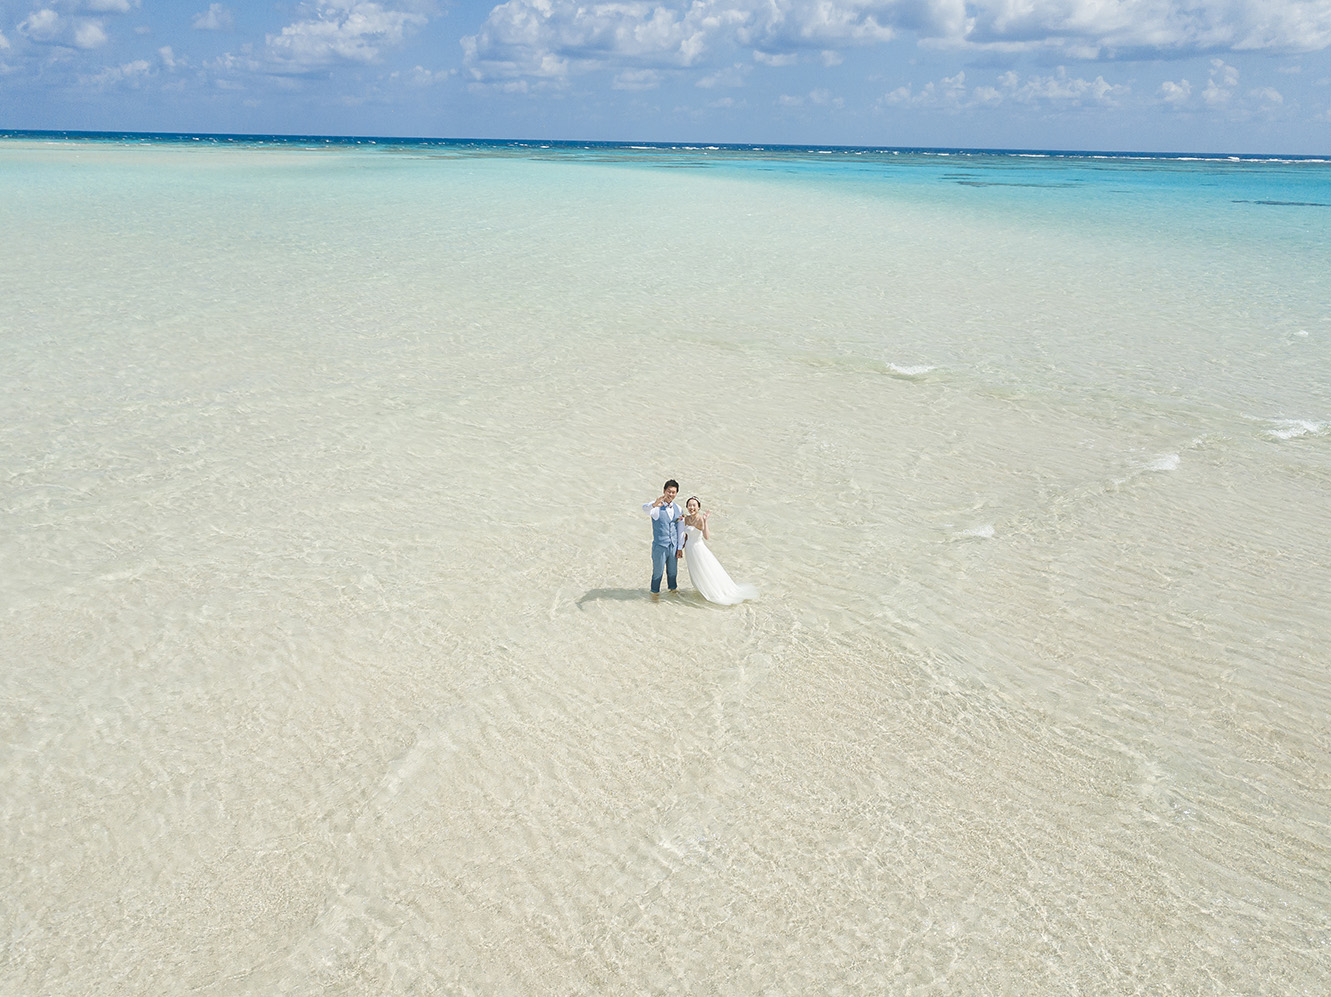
(1292, 429)
(910, 370)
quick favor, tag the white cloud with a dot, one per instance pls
(1087, 28)
(1056, 90)
(899, 96)
(823, 97)
(1221, 93)
(41, 25)
(556, 38)
(338, 31)
(422, 77)
(1061, 88)
(4, 42)
(89, 34)
(636, 79)
(552, 39)
(1175, 93)
(948, 92)
(131, 73)
(831, 57)
(730, 76)
(73, 8)
(954, 87)
(225, 83)
(818, 97)
(217, 17)
(47, 27)
(795, 25)
(1220, 86)
(168, 57)
(508, 86)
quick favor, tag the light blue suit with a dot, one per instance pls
(666, 538)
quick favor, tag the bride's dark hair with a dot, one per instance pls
(693, 498)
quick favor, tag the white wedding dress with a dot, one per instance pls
(707, 575)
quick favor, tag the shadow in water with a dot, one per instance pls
(632, 595)
(618, 595)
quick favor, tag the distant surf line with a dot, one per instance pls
(634, 146)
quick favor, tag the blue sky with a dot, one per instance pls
(1202, 75)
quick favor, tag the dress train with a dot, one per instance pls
(707, 575)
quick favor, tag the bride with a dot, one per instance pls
(705, 571)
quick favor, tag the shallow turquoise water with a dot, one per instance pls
(332, 665)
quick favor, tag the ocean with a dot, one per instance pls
(329, 662)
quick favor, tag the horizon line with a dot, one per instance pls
(76, 133)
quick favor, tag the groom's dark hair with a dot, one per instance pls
(672, 483)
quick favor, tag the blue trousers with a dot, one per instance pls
(663, 559)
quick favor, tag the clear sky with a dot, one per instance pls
(1159, 75)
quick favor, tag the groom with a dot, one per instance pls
(666, 536)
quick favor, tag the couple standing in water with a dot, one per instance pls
(682, 534)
